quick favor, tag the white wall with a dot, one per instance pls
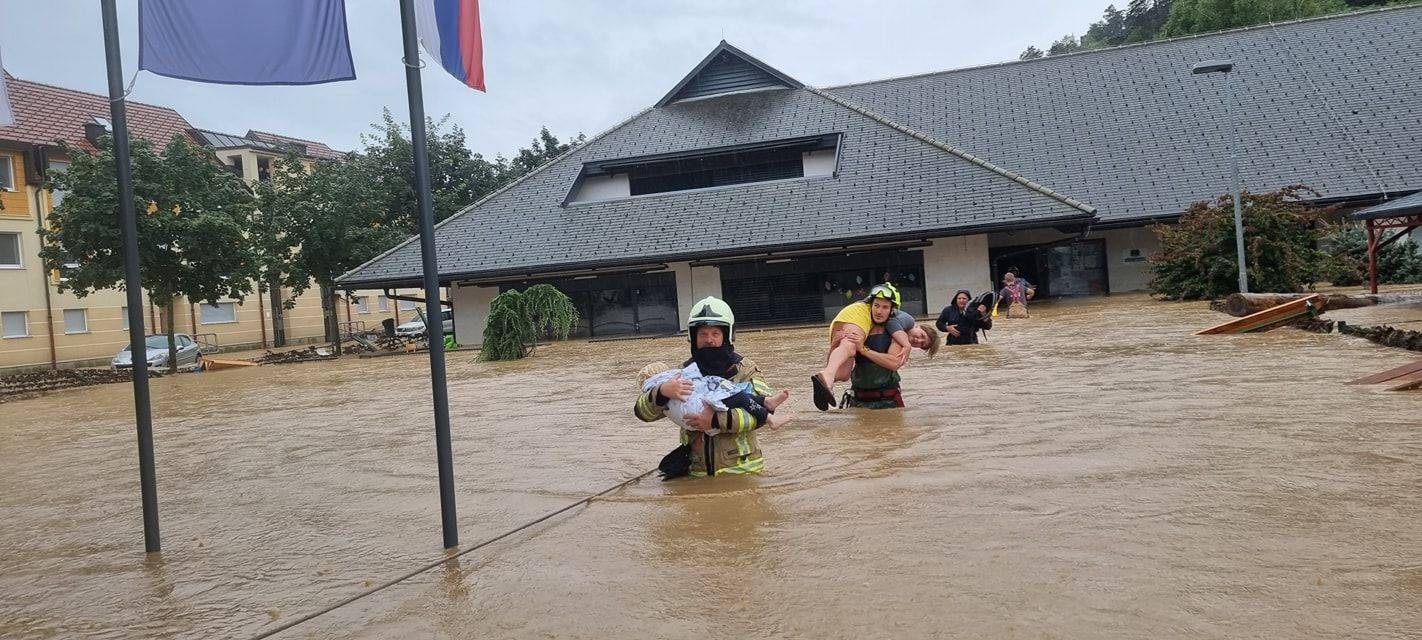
(692, 284)
(955, 263)
(1129, 272)
(471, 312)
(603, 188)
(819, 163)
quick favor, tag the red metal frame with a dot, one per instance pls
(1374, 226)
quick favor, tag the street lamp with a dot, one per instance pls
(1225, 67)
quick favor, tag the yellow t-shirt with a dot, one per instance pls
(858, 314)
(855, 314)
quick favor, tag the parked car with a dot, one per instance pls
(416, 328)
(189, 353)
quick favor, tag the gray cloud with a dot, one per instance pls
(572, 66)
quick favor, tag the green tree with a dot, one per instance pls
(1030, 53)
(192, 223)
(1201, 16)
(517, 320)
(320, 222)
(1398, 263)
(1065, 44)
(1197, 257)
(458, 177)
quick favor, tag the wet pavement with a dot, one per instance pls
(1095, 471)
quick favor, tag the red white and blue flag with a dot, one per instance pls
(449, 30)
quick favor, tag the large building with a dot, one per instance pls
(787, 199)
(43, 327)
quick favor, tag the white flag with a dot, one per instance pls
(7, 117)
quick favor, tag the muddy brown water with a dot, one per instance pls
(1095, 471)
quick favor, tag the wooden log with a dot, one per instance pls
(1266, 319)
(1243, 304)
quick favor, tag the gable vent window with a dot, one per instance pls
(717, 171)
(707, 168)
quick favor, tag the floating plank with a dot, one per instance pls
(215, 364)
(1411, 381)
(1390, 374)
(1266, 319)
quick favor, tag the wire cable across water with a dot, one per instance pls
(310, 616)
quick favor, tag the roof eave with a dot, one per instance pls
(848, 243)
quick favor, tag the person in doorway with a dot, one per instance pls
(1030, 288)
(1015, 295)
(712, 442)
(963, 317)
(853, 324)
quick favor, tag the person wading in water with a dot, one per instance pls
(712, 442)
(963, 317)
(852, 326)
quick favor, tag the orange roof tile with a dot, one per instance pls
(45, 114)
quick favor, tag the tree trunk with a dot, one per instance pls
(328, 313)
(1243, 304)
(278, 311)
(172, 338)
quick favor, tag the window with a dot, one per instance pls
(219, 313)
(705, 168)
(383, 303)
(10, 251)
(234, 164)
(407, 305)
(7, 173)
(56, 197)
(264, 169)
(123, 311)
(76, 321)
(362, 304)
(17, 323)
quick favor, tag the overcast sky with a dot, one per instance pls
(574, 66)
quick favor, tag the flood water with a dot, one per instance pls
(1093, 472)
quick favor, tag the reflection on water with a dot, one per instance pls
(1095, 471)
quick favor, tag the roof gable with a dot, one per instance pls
(727, 70)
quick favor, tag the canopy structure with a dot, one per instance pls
(1403, 214)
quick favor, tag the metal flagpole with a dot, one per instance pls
(137, 347)
(434, 318)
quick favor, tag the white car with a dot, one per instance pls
(416, 328)
(189, 352)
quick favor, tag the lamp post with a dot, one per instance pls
(1225, 67)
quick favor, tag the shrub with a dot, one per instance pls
(1281, 232)
(1399, 262)
(517, 320)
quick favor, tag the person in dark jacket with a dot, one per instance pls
(960, 321)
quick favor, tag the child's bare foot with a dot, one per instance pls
(775, 421)
(771, 402)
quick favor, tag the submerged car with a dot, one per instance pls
(416, 328)
(189, 353)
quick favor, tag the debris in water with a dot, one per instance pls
(32, 384)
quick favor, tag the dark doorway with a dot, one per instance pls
(1076, 268)
(627, 304)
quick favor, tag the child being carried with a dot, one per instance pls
(717, 392)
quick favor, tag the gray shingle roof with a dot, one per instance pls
(1406, 206)
(1335, 103)
(890, 185)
